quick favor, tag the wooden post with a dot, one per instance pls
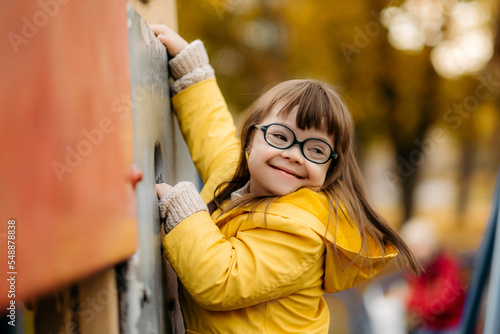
(157, 11)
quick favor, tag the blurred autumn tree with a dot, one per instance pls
(383, 55)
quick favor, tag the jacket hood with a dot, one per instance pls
(347, 263)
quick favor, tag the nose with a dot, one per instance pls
(293, 153)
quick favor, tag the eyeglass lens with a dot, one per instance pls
(313, 149)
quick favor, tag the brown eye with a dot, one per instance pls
(316, 150)
(279, 136)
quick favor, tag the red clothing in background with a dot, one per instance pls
(437, 296)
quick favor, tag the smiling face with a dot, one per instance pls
(279, 172)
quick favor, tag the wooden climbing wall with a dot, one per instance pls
(151, 282)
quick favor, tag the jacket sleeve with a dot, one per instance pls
(258, 265)
(207, 127)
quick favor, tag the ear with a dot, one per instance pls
(247, 152)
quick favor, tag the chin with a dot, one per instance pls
(283, 192)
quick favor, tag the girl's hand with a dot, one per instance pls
(172, 40)
(162, 189)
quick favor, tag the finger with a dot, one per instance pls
(158, 28)
(169, 43)
(162, 189)
(159, 191)
(166, 188)
(163, 38)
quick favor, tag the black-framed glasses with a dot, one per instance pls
(282, 137)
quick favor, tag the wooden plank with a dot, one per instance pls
(157, 11)
(150, 296)
(55, 312)
(98, 306)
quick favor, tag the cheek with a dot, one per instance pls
(320, 173)
(251, 155)
(257, 149)
(250, 159)
(250, 151)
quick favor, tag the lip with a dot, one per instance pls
(287, 171)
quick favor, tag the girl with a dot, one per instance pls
(287, 217)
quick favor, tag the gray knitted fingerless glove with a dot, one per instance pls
(190, 66)
(179, 203)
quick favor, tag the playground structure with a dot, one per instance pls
(85, 95)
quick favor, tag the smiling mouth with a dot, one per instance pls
(287, 172)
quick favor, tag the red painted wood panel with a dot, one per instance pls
(65, 141)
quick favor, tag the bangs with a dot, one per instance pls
(314, 109)
(318, 107)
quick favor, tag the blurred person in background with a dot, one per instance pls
(434, 299)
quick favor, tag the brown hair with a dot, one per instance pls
(319, 107)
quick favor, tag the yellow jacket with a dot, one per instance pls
(256, 275)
